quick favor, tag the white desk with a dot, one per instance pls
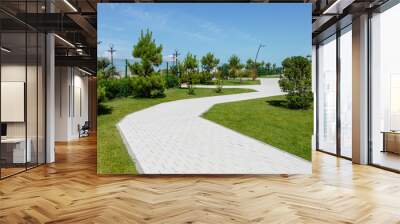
(19, 155)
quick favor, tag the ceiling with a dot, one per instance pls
(73, 21)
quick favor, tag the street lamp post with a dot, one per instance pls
(255, 61)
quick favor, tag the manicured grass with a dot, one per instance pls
(270, 76)
(112, 156)
(267, 120)
(233, 82)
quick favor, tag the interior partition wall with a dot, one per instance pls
(22, 77)
(385, 89)
(334, 95)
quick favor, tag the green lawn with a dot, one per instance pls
(270, 76)
(112, 157)
(267, 120)
(233, 82)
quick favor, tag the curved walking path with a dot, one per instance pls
(172, 138)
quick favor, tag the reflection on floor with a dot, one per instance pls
(387, 159)
(8, 170)
(70, 191)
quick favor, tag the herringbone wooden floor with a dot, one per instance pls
(69, 191)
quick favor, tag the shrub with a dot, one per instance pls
(261, 71)
(204, 77)
(171, 81)
(101, 94)
(191, 78)
(149, 86)
(297, 101)
(117, 87)
(101, 98)
(296, 82)
(191, 90)
(246, 73)
(218, 89)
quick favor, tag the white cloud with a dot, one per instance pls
(147, 17)
(211, 27)
(198, 36)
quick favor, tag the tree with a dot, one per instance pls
(296, 82)
(102, 63)
(224, 70)
(219, 82)
(249, 64)
(261, 64)
(190, 67)
(111, 72)
(209, 62)
(149, 54)
(190, 63)
(268, 67)
(234, 66)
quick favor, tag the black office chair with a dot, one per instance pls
(84, 130)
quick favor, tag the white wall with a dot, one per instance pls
(62, 82)
(71, 87)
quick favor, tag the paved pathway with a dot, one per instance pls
(172, 138)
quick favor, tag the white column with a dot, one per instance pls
(50, 110)
(360, 90)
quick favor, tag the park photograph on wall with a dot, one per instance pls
(187, 88)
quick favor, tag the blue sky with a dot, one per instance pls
(223, 29)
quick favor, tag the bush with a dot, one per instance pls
(219, 83)
(149, 86)
(191, 78)
(171, 81)
(218, 89)
(297, 101)
(261, 71)
(246, 73)
(296, 82)
(204, 77)
(191, 90)
(117, 87)
(101, 94)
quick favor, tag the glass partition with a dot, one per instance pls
(327, 95)
(346, 92)
(22, 77)
(14, 155)
(385, 89)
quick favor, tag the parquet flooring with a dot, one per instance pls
(70, 191)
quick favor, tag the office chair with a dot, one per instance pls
(84, 130)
